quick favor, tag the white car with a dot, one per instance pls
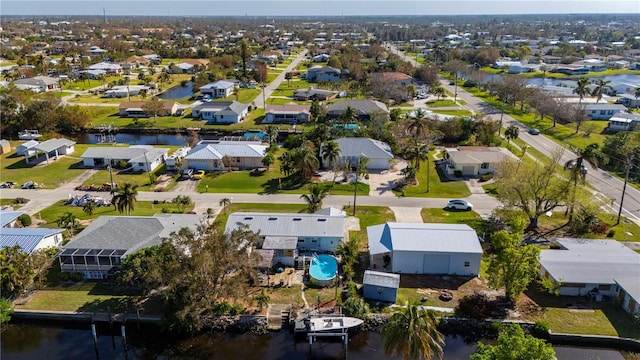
(459, 205)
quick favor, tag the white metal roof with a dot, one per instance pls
(590, 261)
(54, 144)
(450, 238)
(286, 224)
(27, 238)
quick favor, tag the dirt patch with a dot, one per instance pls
(432, 286)
(162, 183)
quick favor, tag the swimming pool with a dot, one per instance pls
(323, 269)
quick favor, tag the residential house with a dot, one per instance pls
(351, 149)
(399, 78)
(629, 100)
(289, 234)
(380, 286)
(326, 73)
(135, 109)
(102, 245)
(52, 148)
(589, 267)
(125, 91)
(139, 157)
(218, 89)
(320, 58)
(475, 160)
(110, 68)
(9, 219)
(26, 148)
(209, 155)
(594, 65)
(287, 114)
(602, 111)
(417, 248)
(229, 112)
(620, 87)
(135, 62)
(629, 294)
(5, 146)
(154, 58)
(305, 94)
(623, 121)
(96, 51)
(30, 239)
(571, 69)
(38, 84)
(93, 74)
(364, 109)
(182, 68)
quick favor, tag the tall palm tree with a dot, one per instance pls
(306, 160)
(124, 198)
(349, 116)
(411, 332)
(225, 202)
(330, 152)
(582, 89)
(314, 198)
(418, 123)
(601, 86)
(578, 171)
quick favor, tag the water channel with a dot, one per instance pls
(178, 92)
(41, 341)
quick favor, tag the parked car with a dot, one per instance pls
(572, 164)
(533, 131)
(459, 205)
(186, 174)
(198, 175)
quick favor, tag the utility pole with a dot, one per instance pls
(111, 175)
(264, 102)
(624, 187)
(355, 190)
(455, 83)
(501, 116)
(428, 172)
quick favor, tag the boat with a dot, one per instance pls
(29, 135)
(327, 324)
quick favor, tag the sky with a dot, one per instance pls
(314, 7)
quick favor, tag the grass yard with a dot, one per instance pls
(454, 112)
(440, 103)
(369, 216)
(14, 168)
(435, 215)
(245, 96)
(437, 187)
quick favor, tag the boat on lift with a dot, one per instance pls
(326, 324)
(29, 135)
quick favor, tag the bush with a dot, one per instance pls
(352, 289)
(477, 306)
(457, 173)
(486, 177)
(25, 220)
(64, 276)
(611, 233)
(76, 276)
(540, 329)
(20, 200)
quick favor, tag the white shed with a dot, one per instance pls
(417, 248)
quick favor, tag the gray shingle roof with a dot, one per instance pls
(283, 224)
(382, 279)
(449, 238)
(373, 149)
(27, 238)
(130, 233)
(361, 107)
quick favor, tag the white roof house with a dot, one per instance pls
(141, 157)
(476, 160)
(378, 152)
(53, 147)
(209, 156)
(629, 293)
(8, 218)
(30, 239)
(425, 248)
(582, 265)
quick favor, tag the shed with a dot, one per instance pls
(5, 146)
(26, 148)
(381, 286)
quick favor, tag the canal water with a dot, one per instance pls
(38, 341)
(139, 139)
(178, 92)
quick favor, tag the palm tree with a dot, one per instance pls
(411, 332)
(124, 198)
(314, 198)
(582, 89)
(411, 90)
(306, 160)
(262, 300)
(601, 86)
(88, 207)
(331, 152)
(360, 169)
(511, 133)
(578, 171)
(418, 123)
(349, 116)
(225, 202)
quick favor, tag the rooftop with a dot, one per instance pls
(27, 238)
(382, 279)
(286, 224)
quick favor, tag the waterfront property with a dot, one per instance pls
(221, 155)
(623, 121)
(51, 148)
(589, 267)
(135, 109)
(139, 157)
(323, 269)
(218, 89)
(380, 286)
(603, 111)
(351, 149)
(287, 114)
(417, 248)
(288, 234)
(229, 112)
(108, 239)
(30, 239)
(475, 160)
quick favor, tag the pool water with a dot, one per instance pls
(323, 267)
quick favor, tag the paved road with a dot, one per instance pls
(607, 187)
(268, 90)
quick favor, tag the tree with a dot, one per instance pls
(67, 220)
(262, 300)
(268, 159)
(437, 91)
(601, 87)
(542, 191)
(6, 310)
(16, 271)
(194, 272)
(349, 116)
(511, 133)
(182, 201)
(579, 116)
(288, 76)
(637, 95)
(153, 108)
(245, 53)
(89, 207)
(317, 193)
(331, 152)
(418, 123)
(514, 344)
(412, 333)
(305, 160)
(349, 253)
(355, 306)
(577, 169)
(225, 202)
(582, 89)
(124, 198)
(512, 265)
(411, 90)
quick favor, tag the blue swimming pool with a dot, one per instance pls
(323, 269)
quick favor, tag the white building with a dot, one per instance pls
(30, 239)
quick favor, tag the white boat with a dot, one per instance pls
(330, 324)
(29, 135)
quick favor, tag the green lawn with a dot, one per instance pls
(369, 216)
(454, 112)
(436, 215)
(245, 96)
(88, 84)
(437, 187)
(56, 173)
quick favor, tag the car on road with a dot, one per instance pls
(198, 175)
(186, 174)
(533, 131)
(458, 204)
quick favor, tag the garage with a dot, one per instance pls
(468, 170)
(436, 263)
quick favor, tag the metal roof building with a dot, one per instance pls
(7, 218)
(30, 239)
(283, 224)
(380, 286)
